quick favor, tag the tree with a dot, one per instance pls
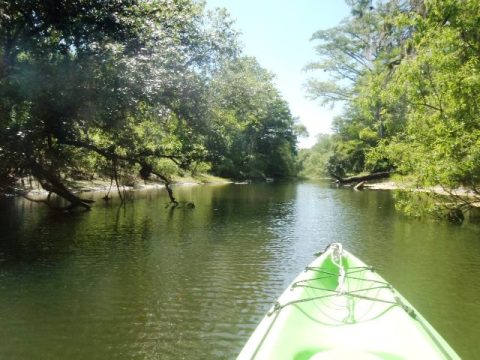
(253, 132)
(413, 106)
(360, 56)
(116, 84)
(440, 82)
(313, 162)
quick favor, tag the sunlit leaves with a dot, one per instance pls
(415, 106)
(253, 130)
(123, 80)
(441, 84)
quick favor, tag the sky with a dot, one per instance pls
(278, 33)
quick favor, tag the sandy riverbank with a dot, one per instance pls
(393, 185)
(34, 190)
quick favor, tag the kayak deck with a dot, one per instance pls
(339, 308)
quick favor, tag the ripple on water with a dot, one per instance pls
(140, 282)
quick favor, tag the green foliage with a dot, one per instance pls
(432, 205)
(358, 55)
(441, 85)
(253, 133)
(93, 88)
(119, 79)
(313, 162)
(412, 76)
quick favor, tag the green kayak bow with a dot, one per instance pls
(340, 308)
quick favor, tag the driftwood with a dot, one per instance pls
(358, 179)
(359, 186)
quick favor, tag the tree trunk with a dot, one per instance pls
(358, 179)
(138, 158)
(53, 184)
(167, 187)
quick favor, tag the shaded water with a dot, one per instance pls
(143, 282)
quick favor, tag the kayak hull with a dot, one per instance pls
(339, 308)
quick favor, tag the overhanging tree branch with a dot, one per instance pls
(138, 158)
(50, 182)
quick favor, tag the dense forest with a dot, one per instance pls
(120, 89)
(151, 89)
(407, 73)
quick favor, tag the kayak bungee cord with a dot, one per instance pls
(336, 252)
(277, 306)
(336, 258)
(338, 303)
(337, 299)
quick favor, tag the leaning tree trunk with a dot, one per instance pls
(53, 184)
(138, 159)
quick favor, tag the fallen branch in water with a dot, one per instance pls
(358, 179)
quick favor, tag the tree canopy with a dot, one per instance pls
(254, 134)
(407, 73)
(90, 88)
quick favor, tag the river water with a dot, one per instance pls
(144, 282)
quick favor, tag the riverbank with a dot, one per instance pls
(462, 193)
(33, 189)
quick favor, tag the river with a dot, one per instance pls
(143, 282)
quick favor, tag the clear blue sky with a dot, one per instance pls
(277, 33)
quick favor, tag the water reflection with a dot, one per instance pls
(141, 281)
